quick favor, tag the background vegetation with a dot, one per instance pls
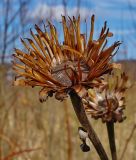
(34, 131)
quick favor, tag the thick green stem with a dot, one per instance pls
(81, 115)
(111, 135)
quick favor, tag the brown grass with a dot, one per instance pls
(50, 129)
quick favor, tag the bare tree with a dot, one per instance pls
(5, 30)
(14, 20)
(78, 7)
(64, 2)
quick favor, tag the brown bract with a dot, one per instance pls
(57, 67)
(108, 102)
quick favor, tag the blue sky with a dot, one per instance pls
(119, 14)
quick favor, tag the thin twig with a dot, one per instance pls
(127, 142)
(14, 154)
(81, 115)
(111, 135)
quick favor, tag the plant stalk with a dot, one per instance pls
(82, 117)
(111, 136)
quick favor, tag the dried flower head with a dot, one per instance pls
(108, 102)
(57, 67)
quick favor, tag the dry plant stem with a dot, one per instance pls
(127, 142)
(81, 115)
(111, 136)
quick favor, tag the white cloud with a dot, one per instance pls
(44, 11)
(102, 10)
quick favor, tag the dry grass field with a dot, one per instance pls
(30, 130)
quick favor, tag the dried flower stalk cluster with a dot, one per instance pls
(56, 67)
(78, 67)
